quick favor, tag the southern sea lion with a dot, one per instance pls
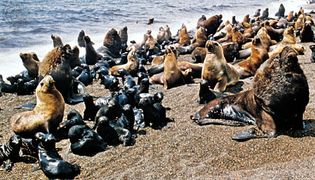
(46, 115)
(113, 42)
(131, 66)
(277, 101)
(91, 56)
(281, 11)
(212, 24)
(257, 13)
(265, 14)
(81, 41)
(123, 34)
(51, 163)
(216, 70)
(31, 63)
(307, 34)
(249, 66)
(171, 75)
(57, 42)
(183, 36)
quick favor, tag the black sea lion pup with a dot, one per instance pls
(57, 42)
(73, 118)
(31, 63)
(312, 47)
(51, 163)
(90, 108)
(46, 115)
(205, 94)
(9, 152)
(277, 101)
(110, 82)
(107, 132)
(84, 141)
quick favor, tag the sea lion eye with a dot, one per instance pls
(42, 84)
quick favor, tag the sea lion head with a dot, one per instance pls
(56, 40)
(87, 39)
(27, 56)
(213, 47)
(289, 31)
(46, 85)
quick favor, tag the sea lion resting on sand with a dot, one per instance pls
(171, 76)
(249, 66)
(46, 115)
(277, 101)
(131, 66)
(216, 70)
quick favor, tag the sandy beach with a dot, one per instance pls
(182, 149)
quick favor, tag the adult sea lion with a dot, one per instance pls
(277, 101)
(216, 70)
(113, 42)
(47, 114)
(31, 63)
(57, 42)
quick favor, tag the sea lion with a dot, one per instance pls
(216, 70)
(171, 75)
(184, 39)
(281, 11)
(74, 57)
(277, 101)
(257, 13)
(50, 162)
(288, 36)
(299, 23)
(81, 41)
(161, 35)
(199, 54)
(200, 39)
(246, 21)
(249, 66)
(57, 42)
(57, 64)
(211, 24)
(9, 152)
(91, 56)
(131, 66)
(31, 63)
(157, 60)
(307, 34)
(113, 42)
(265, 14)
(46, 115)
(205, 94)
(123, 34)
(201, 21)
(290, 16)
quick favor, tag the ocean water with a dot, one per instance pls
(26, 25)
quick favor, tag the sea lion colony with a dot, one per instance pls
(220, 53)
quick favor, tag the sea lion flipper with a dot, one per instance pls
(245, 135)
(27, 106)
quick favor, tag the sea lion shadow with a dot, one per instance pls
(308, 131)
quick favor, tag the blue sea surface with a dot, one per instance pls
(26, 25)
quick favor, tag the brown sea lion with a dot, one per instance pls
(91, 56)
(57, 42)
(249, 66)
(216, 70)
(47, 114)
(288, 36)
(131, 66)
(184, 39)
(199, 54)
(299, 23)
(57, 64)
(123, 34)
(212, 24)
(171, 76)
(290, 16)
(160, 38)
(275, 34)
(246, 21)
(113, 42)
(277, 101)
(157, 60)
(31, 63)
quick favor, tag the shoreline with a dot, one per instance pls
(183, 150)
